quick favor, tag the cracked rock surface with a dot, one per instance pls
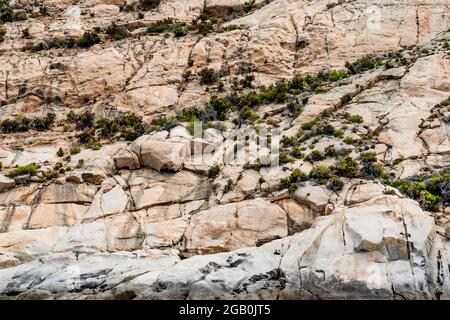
(136, 216)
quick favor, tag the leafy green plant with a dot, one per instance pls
(75, 150)
(356, 119)
(348, 167)
(117, 32)
(335, 184)
(88, 39)
(321, 174)
(291, 182)
(363, 64)
(214, 171)
(208, 76)
(29, 169)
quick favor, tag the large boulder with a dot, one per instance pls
(5, 183)
(234, 225)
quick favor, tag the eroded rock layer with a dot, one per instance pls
(102, 191)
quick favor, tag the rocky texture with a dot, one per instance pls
(150, 219)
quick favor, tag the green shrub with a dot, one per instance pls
(355, 119)
(330, 151)
(284, 158)
(339, 133)
(247, 81)
(308, 125)
(2, 33)
(43, 124)
(247, 6)
(315, 155)
(161, 26)
(214, 171)
(349, 140)
(80, 164)
(348, 167)
(75, 150)
(321, 174)
(29, 169)
(60, 152)
(363, 64)
(208, 76)
(295, 108)
(345, 99)
(18, 124)
(291, 182)
(148, 4)
(251, 99)
(297, 153)
(26, 33)
(117, 32)
(429, 201)
(231, 27)
(88, 39)
(335, 184)
(220, 107)
(248, 113)
(333, 75)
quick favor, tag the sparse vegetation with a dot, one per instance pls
(29, 169)
(363, 64)
(208, 76)
(23, 124)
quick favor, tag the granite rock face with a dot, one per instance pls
(150, 209)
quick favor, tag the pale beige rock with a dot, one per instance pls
(232, 226)
(5, 183)
(56, 214)
(166, 233)
(300, 216)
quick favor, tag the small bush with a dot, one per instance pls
(208, 76)
(29, 169)
(80, 164)
(335, 184)
(363, 64)
(60, 152)
(75, 150)
(348, 167)
(117, 32)
(330, 151)
(316, 155)
(247, 6)
(88, 39)
(321, 174)
(349, 140)
(308, 125)
(284, 158)
(214, 171)
(247, 81)
(148, 4)
(220, 107)
(291, 182)
(356, 119)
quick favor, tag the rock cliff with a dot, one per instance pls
(217, 149)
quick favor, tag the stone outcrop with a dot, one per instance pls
(148, 207)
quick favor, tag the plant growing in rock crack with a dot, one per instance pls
(208, 76)
(29, 169)
(335, 184)
(214, 171)
(291, 182)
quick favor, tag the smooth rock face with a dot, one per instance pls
(5, 183)
(165, 215)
